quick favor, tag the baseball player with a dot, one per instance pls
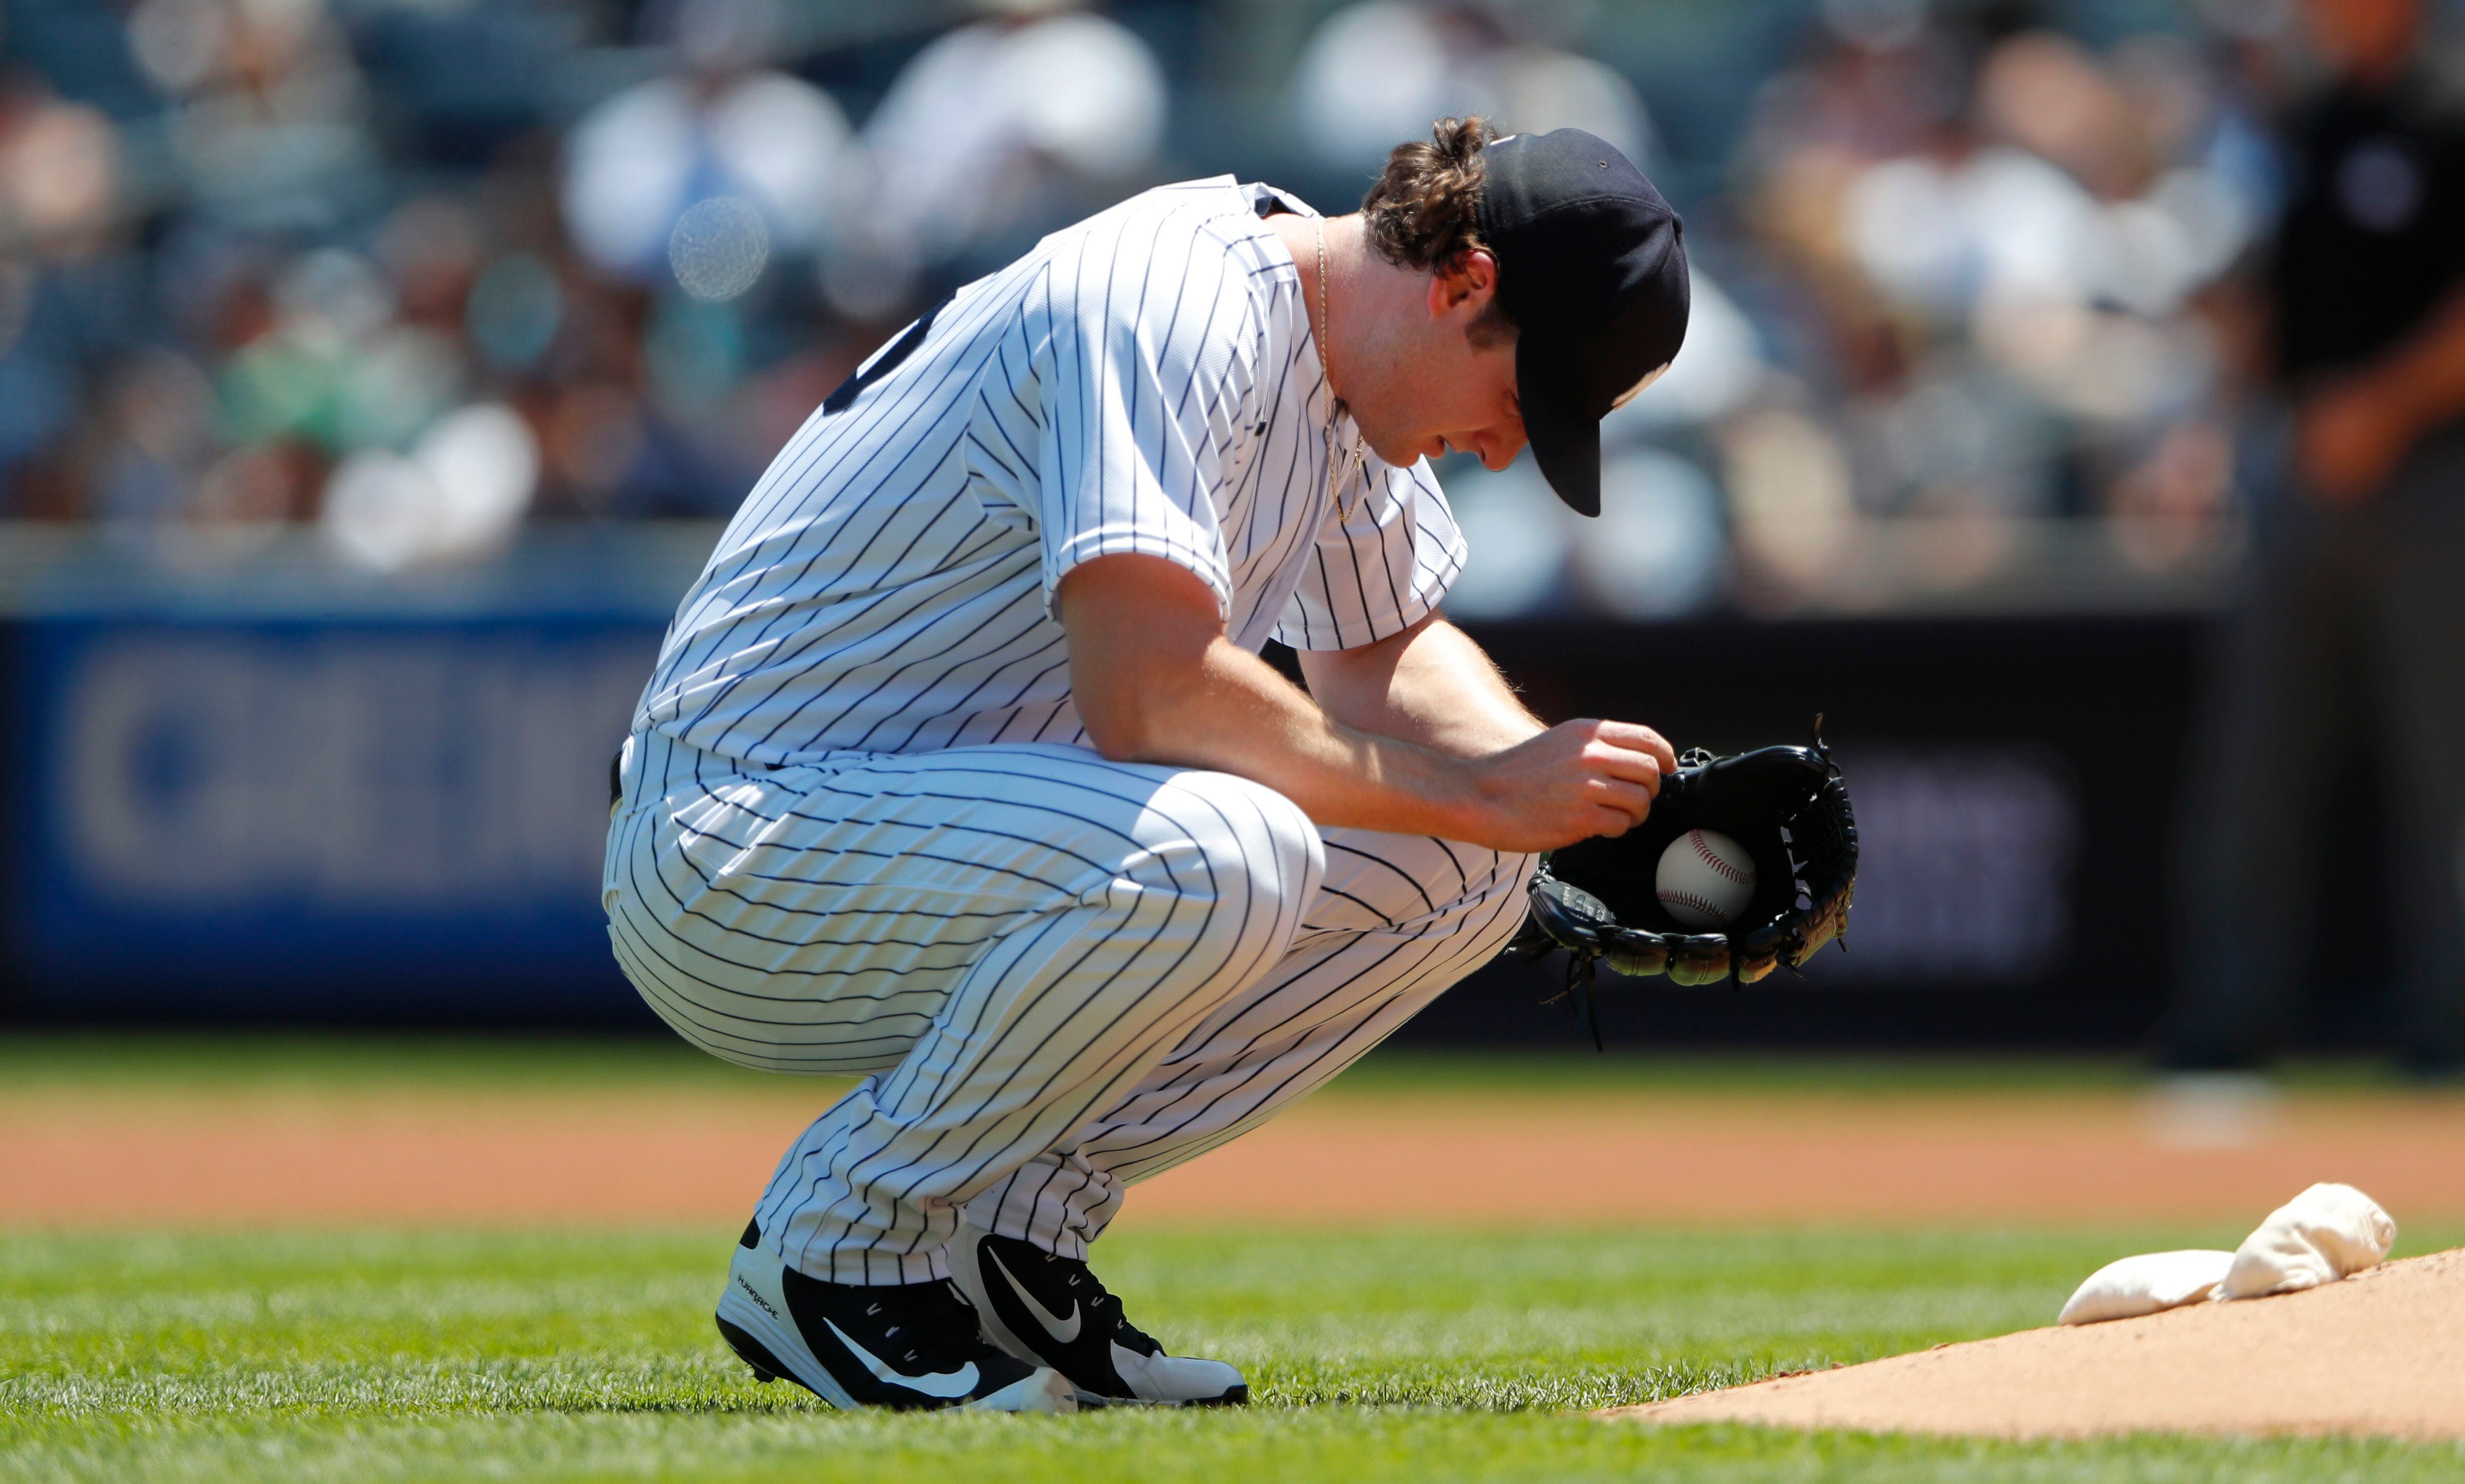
(960, 770)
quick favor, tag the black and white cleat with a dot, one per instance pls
(1055, 1312)
(913, 1346)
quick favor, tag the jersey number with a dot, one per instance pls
(886, 362)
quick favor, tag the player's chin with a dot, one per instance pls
(1398, 452)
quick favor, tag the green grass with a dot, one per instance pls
(1418, 1356)
(1412, 1356)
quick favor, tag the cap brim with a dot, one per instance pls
(1566, 439)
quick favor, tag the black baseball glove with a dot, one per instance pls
(1786, 806)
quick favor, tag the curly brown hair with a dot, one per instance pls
(1424, 213)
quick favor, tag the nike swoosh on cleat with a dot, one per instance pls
(1063, 1331)
(942, 1384)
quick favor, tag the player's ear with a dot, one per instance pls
(1466, 283)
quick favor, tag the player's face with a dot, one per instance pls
(1450, 386)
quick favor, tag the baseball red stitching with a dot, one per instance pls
(1719, 867)
(1676, 899)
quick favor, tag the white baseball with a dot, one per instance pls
(1705, 878)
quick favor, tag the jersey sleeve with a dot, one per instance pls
(1379, 569)
(1143, 378)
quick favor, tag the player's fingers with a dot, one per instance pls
(1627, 764)
(1610, 823)
(1628, 800)
(1636, 737)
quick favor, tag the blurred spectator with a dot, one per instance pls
(707, 170)
(1020, 121)
(2352, 636)
(2004, 239)
(1381, 70)
(266, 108)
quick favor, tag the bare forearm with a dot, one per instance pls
(1431, 685)
(1156, 681)
(2356, 430)
(2424, 376)
(1239, 715)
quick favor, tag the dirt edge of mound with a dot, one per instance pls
(2381, 1354)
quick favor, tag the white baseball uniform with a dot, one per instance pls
(861, 828)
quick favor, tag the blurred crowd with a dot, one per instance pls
(418, 271)
(1967, 268)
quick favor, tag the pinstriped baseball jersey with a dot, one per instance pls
(1143, 382)
(858, 828)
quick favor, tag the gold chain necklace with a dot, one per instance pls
(1338, 485)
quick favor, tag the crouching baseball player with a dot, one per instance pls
(961, 769)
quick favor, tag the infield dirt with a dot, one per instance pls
(236, 1155)
(2381, 1354)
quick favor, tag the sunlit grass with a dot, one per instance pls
(1429, 1355)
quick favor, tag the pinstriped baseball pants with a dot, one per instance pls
(1056, 975)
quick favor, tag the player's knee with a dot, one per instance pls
(1256, 843)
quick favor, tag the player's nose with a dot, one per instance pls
(1498, 446)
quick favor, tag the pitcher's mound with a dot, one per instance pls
(2380, 1353)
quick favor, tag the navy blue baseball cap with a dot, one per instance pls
(1592, 271)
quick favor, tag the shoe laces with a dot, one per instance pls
(923, 1326)
(1102, 1303)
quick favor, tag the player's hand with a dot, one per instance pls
(1576, 780)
